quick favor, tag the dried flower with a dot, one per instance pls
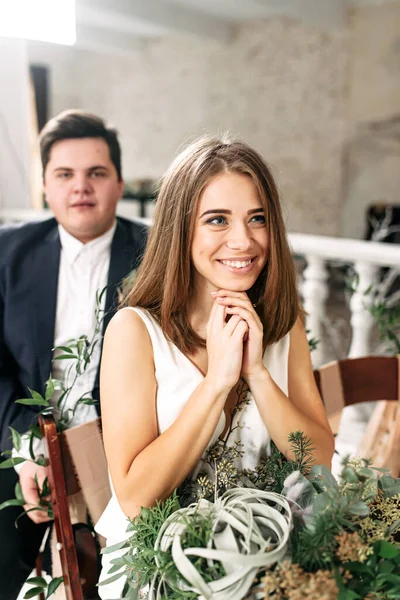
(352, 547)
(290, 582)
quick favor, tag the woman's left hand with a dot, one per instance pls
(238, 303)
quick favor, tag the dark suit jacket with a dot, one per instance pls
(29, 264)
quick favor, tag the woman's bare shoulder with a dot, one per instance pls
(128, 330)
(126, 322)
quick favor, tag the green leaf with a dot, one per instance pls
(31, 451)
(114, 548)
(41, 461)
(111, 579)
(386, 549)
(13, 502)
(39, 581)
(35, 431)
(18, 492)
(65, 357)
(16, 439)
(53, 585)
(11, 462)
(348, 595)
(50, 387)
(394, 526)
(87, 401)
(32, 402)
(389, 485)
(35, 591)
(359, 508)
(65, 349)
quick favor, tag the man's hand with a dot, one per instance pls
(29, 490)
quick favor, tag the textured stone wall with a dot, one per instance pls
(293, 91)
(372, 152)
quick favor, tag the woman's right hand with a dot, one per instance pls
(224, 348)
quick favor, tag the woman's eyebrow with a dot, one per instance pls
(225, 211)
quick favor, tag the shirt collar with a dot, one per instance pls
(72, 247)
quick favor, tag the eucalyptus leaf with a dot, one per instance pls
(322, 502)
(114, 547)
(322, 477)
(359, 508)
(389, 485)
(394, 526)
(111, 579)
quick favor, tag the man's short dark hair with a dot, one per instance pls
(75, 124)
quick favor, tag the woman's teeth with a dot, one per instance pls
(237, 264)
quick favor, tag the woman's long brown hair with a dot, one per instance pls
(164, 281)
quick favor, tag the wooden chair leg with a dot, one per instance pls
(39, 563)
(62, 521)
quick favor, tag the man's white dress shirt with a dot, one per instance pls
(83, 273)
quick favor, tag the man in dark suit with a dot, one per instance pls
(50, 272)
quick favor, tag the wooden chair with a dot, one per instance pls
(77, 469)
(368, 379)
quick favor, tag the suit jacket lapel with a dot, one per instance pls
(121, 258)
(123, 255)
(45, 271)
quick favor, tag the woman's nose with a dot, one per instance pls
(239, 239)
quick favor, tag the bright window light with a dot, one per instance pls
(43, 20)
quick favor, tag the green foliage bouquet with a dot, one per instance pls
(260, 537)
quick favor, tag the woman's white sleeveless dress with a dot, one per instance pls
(177, 378)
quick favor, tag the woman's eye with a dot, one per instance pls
(217, 221)
(258, 219)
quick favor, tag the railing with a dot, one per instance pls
(366, 258)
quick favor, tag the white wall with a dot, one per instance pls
(322, 106)
(15, 128)
(278, 84)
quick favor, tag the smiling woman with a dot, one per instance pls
(210, 343)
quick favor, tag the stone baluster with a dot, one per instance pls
(315, 291)
(361, 320)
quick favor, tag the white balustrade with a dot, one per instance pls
(361, 319)
(314, 290)
(364, 256)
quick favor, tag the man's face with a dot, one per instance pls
(82, 187)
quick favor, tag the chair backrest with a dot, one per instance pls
(77, 469)
(367, 379)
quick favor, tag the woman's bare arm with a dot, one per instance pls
(144, 465)
(302, 410)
